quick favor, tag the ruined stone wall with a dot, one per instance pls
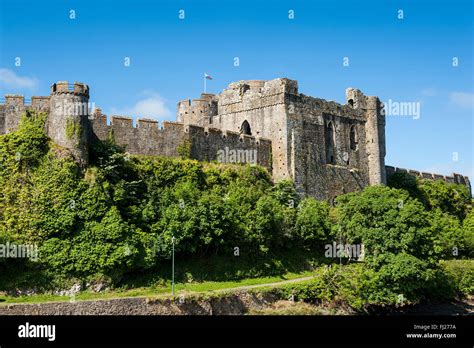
(308, 123)
(204, 144)
(453, 179)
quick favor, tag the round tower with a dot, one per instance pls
(68, 123)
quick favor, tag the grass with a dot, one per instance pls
(157, 290)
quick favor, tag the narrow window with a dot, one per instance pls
(330, 143)
(353, 138)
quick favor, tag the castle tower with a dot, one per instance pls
(375, 133)
(68, 124)
(199, 111)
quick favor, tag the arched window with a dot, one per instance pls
(351, 103)
(330, 144)
(353, 138)
(245, 128)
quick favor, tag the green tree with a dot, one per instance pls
(468, 233)
(450, 198)
(312, 223)
(385, 220)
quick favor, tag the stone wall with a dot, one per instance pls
(68, 124)
(327, 148)
(451, 179)
(309, 121)
(297, 126)
(230, 304)
(14, 106)
(205, 144)
(262, 105)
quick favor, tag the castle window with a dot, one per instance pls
(245, 128)
(330, 144)
(353, 138)
(351, 102)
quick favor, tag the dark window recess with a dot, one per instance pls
(330, 148)
(245, 128)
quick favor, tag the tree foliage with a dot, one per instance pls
(118, 216)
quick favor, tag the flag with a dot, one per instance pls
(209, 77)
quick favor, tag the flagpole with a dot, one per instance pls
(204, 83)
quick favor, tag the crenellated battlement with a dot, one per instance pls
(150, 137)
(12, 106)
(455, 178)
(76, 88)
(36, 102)
(126, 123)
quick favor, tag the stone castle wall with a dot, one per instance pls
(308, 120)
(298, 125)
(451, 179)
(325, 147)
(205, 144)
(13, 106)
(260, 103)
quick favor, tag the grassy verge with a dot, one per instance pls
(157, 290)
(212, 276)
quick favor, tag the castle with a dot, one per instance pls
(326, 148)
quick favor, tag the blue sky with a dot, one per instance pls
(406, 60)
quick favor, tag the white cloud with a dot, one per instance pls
(463, 99)
(10, 80)
(152, 106)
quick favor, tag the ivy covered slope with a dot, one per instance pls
(115, 219)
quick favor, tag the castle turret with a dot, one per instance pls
(375, 133)
(68, 123)
(199, 111)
